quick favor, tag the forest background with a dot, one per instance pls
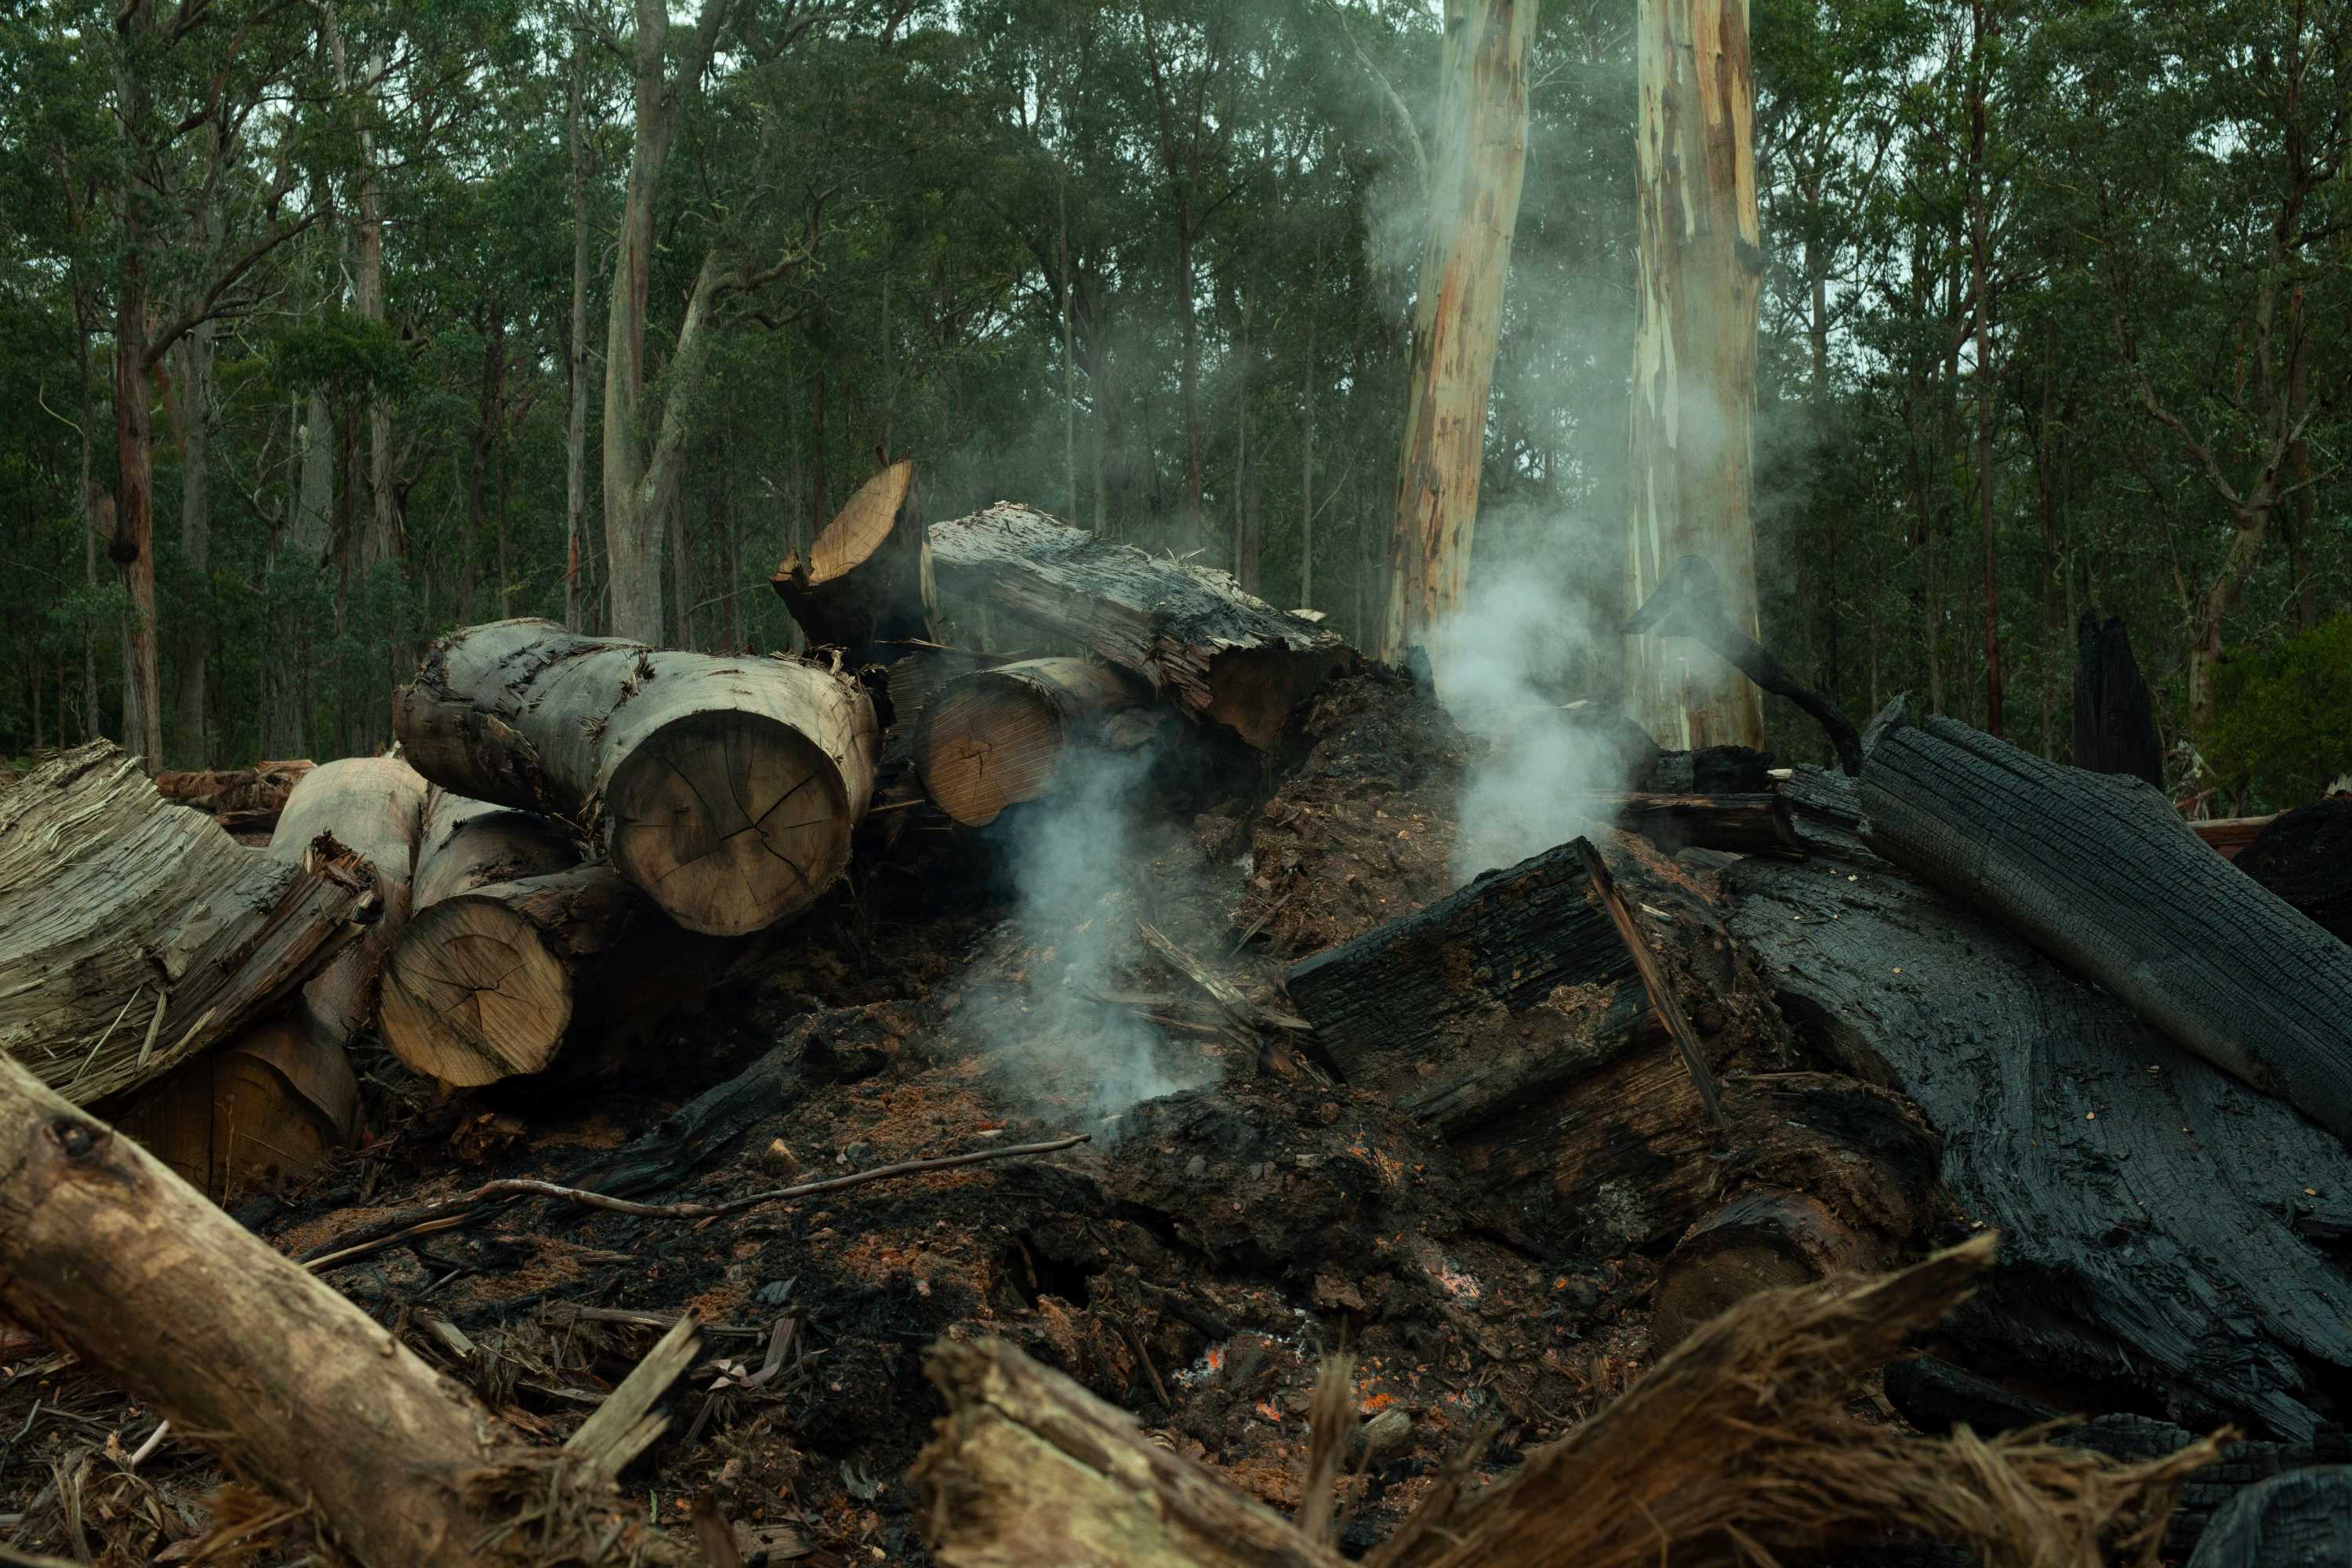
(386, 306)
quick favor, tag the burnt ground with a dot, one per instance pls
(1191, 1264)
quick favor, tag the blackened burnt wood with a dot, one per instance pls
(1512, 982)
(2304, 856)
(1758, 824)
(864, 580)
(1654, 982)
(2154, 1210)
(2115, 718)
(1220, 654)
(2101, 873)
(2302, 1519)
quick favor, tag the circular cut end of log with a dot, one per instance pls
(850, 539)
(1760, 1241)
(730, 821)
(987, 744)
(472, 995)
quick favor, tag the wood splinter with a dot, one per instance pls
(1654, 981)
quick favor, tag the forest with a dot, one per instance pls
(395, 316)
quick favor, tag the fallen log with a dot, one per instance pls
(104, 1252)
(2301, 1520)
(727, 788)
(139, 934)
(2114, 717)
(2304, 856)
(465, 844)
(920, 672)
(374, 806)
(2169, 1229)
(2100, 872)
(1218, 654)
(2228, 836)
(866, 579)
(997, 737)
(1734, 1446)
(242, 800)
(507, 978)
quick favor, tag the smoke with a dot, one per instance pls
(1076, 856)
(1510, 667)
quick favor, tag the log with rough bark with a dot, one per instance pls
(243, 800)
(2099, 871)
(2300, 1520)
(1751, 824)
(866, 579)
(2304, 856)
(726, 788)
(997, 737)
(139, 933)
(2114, 717)
(104, 1252)
(1217, 654)
(1734, 1446)
(466, 844)
(2170, 1232)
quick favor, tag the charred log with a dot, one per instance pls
(2304, 856)
(1216, 652)
(2100, 872)
(727, 788)
(1758, 824)
(2149, 1242)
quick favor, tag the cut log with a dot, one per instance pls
(139, 934)
(2100, 872)
(866, 579)
(2114, 717)
(2169, 1229)
(1217, 654)
(997, 737)
(919, 673)
(106, 1253)
(374, 806)
(247, 1118)
(727, 788)
(2301, 1520)
(468, 844)
(2304, 856)
(242, 800)
(2228, 836)
(502, 979)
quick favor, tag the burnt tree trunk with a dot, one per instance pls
(997, 737)
(2304, 856)
(2102, 874)
(2114, 717)
(727, 788)
(2150, 1242)
(1217, 654)
(142, 933)
(2301, 1520)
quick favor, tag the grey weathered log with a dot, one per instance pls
(2099, 871)
(727, 788)
(2159, 1236)
(1217, 653)
(137, 933)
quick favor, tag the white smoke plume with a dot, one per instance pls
(1075, 856)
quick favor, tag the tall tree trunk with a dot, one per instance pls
(92, 495)
(1474, 206)
(1982, 29)
(478, 473)
(1189, 388)
(2301, 506)
(1307, 441)
(191, 644)
(1693, 358)
(133, 546)
(575, 358)
(1069, 351)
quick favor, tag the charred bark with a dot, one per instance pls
(866, 578)
(2304, 856)
(2149, 1244)
(727, 788)
(2102, 874)
(2114, 717)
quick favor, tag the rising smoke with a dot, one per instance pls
(1075, 857)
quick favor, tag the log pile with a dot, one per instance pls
(1621, 1171)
